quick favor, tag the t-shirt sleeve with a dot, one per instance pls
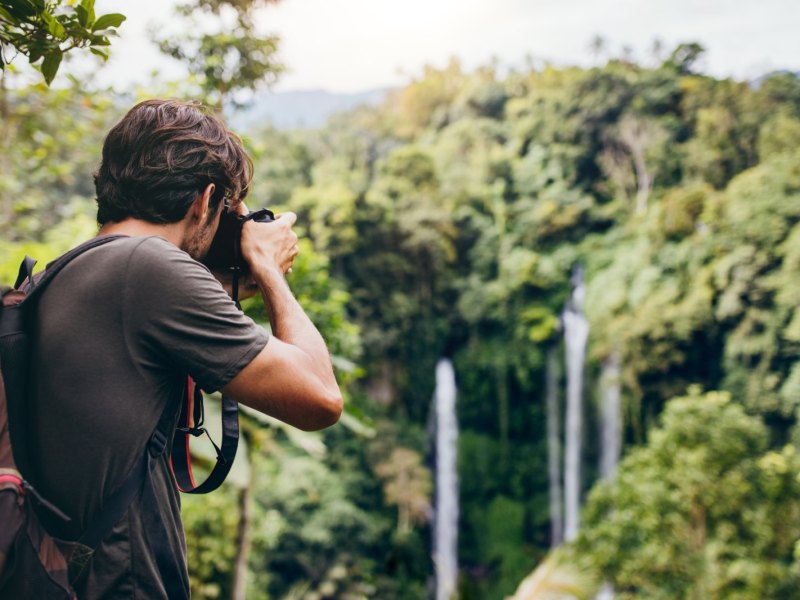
(183, 319)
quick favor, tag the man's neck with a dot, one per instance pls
(172, 232)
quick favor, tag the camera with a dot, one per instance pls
(224, 254)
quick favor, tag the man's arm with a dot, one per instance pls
(292, 378)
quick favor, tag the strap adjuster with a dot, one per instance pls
(157, 444)
(197, 432)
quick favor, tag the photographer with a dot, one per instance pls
(124, 323)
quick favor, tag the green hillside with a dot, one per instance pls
(447, 221)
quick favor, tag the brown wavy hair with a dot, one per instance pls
(161, 155)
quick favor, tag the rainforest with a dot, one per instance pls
(588, 278)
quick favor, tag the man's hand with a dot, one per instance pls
(269, 246)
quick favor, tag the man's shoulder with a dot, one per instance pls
(137, 267)
(152, 248)
(126, 248)
(150, 256)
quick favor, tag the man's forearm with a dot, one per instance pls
(292, 377)
(290, 323)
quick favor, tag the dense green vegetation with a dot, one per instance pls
(446, 222)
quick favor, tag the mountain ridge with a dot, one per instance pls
(301, 109)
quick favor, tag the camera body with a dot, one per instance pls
(224, 254)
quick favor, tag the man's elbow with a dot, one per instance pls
(328, 409)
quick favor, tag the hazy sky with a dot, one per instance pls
(353, 45)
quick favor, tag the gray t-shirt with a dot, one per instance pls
(118, 330)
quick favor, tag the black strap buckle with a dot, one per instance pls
(197, 432)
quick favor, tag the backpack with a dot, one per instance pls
(34, 532)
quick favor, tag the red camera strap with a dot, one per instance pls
(190, 424)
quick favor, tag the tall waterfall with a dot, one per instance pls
(554, 449)
(445, 543)
(610, 416)
(610, 432)
(576, 334)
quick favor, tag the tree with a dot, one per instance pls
(702, 511)
(47, 29)
(685, 56)
(229, 57)
(407, 484)
(50, 140)
(640, 138)
(597, 46)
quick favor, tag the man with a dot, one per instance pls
(124, 323)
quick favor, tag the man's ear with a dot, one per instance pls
(202, 203)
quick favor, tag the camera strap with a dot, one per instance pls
(190, 424)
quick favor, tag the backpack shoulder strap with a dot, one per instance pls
(15, 344)
(37, 285)
(25, 271)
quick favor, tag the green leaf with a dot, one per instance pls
(50, 65)
(86, 7)
(110, 20)
(89, 6)
(83, 15)
(7, 16)
(55, 28)
(25, 8)
(101, 53)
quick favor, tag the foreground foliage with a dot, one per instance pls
(44, 30)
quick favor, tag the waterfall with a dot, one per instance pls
(554, 448)
(610, 416)
(610, 432)
(606, 592)
(446, 517)
(576, 334)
